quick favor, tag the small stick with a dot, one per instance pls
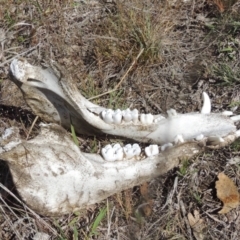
(30, 130)
(122, 79)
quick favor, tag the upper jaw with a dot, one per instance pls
(88, 118)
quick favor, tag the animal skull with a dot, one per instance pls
(54, 177)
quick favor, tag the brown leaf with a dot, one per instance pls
(227, 192)
(197, 225)
(148, 206)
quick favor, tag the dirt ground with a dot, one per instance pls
(180, 49)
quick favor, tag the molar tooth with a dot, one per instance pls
(199, 137)
(146, 118)
(171, 113)
(206, 108)
(127, 115)
(137, 149)
(109, 117)
(135, 115)
(227, 113)
(108, 154)
(131, 151)
(112, 153)
(152, 150)
(117, 116)
(178, 139)
(165, 146)
(215, 140)
(236, 118)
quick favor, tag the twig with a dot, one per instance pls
(184, 213)
(33, 124)
(122, 79)
(30, 210)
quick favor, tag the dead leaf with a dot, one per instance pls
(148, 206)
(227, 192)
(197, 225)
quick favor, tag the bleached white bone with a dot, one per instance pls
(54, 177)
(58, 100)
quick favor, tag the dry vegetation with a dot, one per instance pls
(179, 49)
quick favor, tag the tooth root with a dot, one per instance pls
(227, 113)
(199, 137)
(236, 118)
(171, 113)
(214, 140)
(206, 108)
(178, 139)
(166, 146)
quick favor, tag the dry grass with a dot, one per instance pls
(185, 46)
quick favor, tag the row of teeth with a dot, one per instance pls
(117, 153)
(117, 116)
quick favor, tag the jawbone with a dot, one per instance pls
(57, 100)
(54, 177)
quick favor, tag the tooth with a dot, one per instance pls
(117, 116)
(137, 149)
(227, 113)
(214, 140)
(206, 108)
(127, 115)
(151, 150)
(236, 118)
(178, 139)
(165, 146)
(103, 114)
(171, 113)
(149, 118)
(112, 153)
(199, 137)
(119, 154)
(109, 117)
(146, 119)
(108, 154)
(135, 115)
(131, 151)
